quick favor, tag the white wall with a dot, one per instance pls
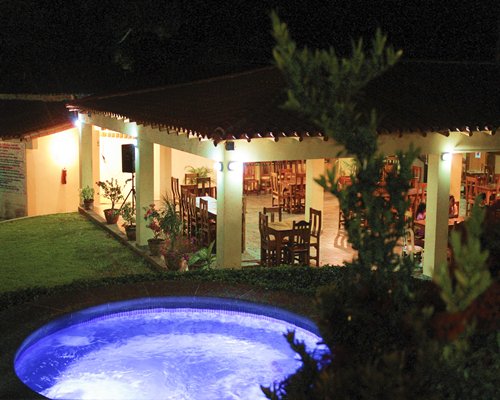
(181, 159)
(46, 156)
(110, 162)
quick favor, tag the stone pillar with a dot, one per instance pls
(229, 208)
(436, 219)
(144, 167)
(314, 192)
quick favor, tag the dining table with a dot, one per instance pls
(451, 221)
(490, 190)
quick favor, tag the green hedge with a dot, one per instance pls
(301, 280)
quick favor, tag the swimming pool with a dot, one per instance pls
(164, 348)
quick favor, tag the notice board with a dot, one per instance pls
(13, 199)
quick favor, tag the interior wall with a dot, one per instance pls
(45, 160)
(181, 159)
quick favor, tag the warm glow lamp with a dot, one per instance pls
(446, 156)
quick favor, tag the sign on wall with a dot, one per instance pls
(12, 180)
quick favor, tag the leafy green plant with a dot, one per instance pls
(204, 257)
(385, 337)
(87, 193)
(170, 222)
(111, 190)
(127, 212)
(202, 172)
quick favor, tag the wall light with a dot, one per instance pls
(445, 156)
(218, 166)
(232, 165)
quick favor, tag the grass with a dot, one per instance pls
(58, 249)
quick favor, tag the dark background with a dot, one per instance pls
(92, 46)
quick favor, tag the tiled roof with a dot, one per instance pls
(19, 118)
(413, 96)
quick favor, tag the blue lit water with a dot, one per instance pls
(175, 353)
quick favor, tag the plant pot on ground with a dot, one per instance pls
(153, 217)
(112, 191)
(127, 212)
(87, 196)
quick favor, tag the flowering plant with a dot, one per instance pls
(154, 218)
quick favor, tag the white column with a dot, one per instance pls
(86, 156)
(165, 172)
(436, 219)
(144, 167)
(229, 208)
(314, 192)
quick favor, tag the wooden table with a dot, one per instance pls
(212, 204)
(280, 230)
(451, 221)
(488, 189)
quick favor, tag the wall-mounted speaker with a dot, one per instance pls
(128, 158)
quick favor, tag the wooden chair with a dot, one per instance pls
(250, 182)
(208, 226)
(190, 179)
(272, 211)
(193, 216)
(265, 177)
(185, 212)
(299, 247)
(315, 220)
(416, 173)
(204, 186)
(268, 255)
(176, 194)
(298, 194)
(471, 183)
(277, 196)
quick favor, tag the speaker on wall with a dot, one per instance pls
(128, 158)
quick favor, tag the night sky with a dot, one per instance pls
(92, 46)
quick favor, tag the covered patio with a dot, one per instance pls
(238, 119)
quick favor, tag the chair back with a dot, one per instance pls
(176, 194)
(274, 183)
(190, 179)
(315, 222)
(204, 213)
(204, 186)
(264, 228)
(301, 233)
(272, 212)
(471, 183)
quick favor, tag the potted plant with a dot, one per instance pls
(87, 196)
(201, 172)
(153, 217)
(177, 253)
(171, 226)
(127, 213)
(203, 258)
(113, 192)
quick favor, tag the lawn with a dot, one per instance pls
(58, 249)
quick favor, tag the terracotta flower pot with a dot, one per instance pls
(88, 204)
(155, 246)
(111, 215)
(130, 231)
(175, 262)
